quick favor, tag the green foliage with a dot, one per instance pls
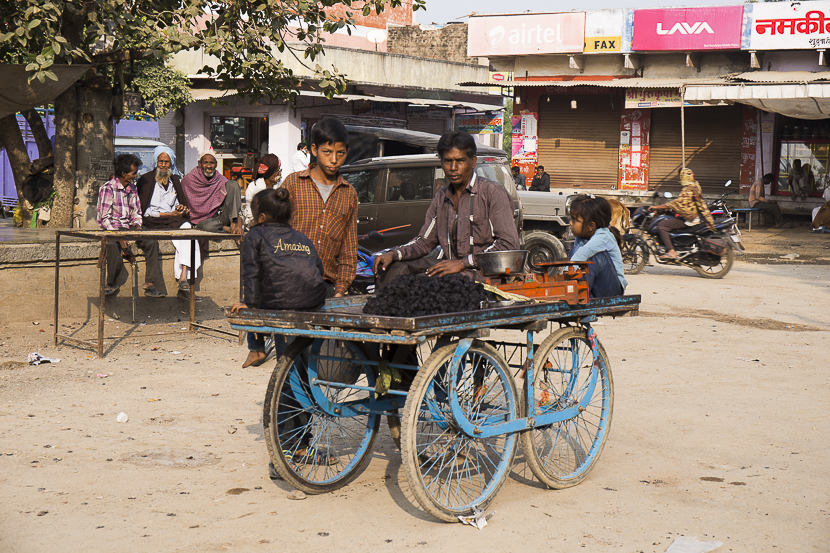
(163, 87)
(507, 136)
(244, 36)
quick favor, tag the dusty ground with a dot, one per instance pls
(720, 431)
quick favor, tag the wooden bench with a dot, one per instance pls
(747, 211)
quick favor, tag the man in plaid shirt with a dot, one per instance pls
(324, 206)
(119, 209)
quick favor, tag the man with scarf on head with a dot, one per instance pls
(268, 174)
(164, 206)
(215, 202)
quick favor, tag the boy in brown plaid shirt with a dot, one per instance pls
(324, 206)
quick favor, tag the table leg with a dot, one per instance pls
(102, 263)
(241, 294)
(57, 280)
(192, 280)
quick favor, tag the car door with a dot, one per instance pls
(407, 196)
(366, 183)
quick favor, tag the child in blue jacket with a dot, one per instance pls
(596, 241)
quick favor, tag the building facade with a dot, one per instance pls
(620, 100)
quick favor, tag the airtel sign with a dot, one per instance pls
(509, 35)
(715, 28)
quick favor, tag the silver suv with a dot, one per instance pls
(395, 193)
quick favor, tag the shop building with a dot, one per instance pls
(617, 100)
(384, 89)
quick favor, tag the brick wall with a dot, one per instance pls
(446, 43)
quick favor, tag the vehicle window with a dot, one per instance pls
(365, 182)
(497, 172)
(440, 180)
(410, 184)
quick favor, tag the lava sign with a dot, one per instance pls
(715, 28)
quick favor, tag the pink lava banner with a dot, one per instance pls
(715, 28)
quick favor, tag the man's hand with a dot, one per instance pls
(382, 262)
(237, 306)
(339, 295)
(125, 244)
(236, 228)
(446, 267)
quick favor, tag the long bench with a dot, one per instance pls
(747, 211)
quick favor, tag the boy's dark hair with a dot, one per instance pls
(301, 145)
(456, 139)
(594, 209)
(273, 203)
(540, 168)
(768, 178)
(329, 131)
(515, 168)
(123, 164)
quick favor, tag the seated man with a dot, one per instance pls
(164, 206)
(215, 202)
(118, 209)
(471, 215)
(758, 201)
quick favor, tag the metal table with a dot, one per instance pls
(106, 236)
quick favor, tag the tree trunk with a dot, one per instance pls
(66, 143)
(95, 146)
(12, 140)
(44, 144)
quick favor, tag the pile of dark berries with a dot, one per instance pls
(420, 295)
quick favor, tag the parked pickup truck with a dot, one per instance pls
(547, 224)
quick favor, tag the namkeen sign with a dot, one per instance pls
(508, 35)
(804, 25)
(715, 28)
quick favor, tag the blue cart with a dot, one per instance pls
(458, 403)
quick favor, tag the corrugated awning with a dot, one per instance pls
(780, 77)
(208, 93)
(605, 83)
(803, 101)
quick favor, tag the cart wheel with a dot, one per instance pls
(449, 472)
(313, 450)
(562, 454)
(407, 355)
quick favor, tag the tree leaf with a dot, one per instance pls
(32, 24)
(50, 75)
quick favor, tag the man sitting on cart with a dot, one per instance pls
(469, 216)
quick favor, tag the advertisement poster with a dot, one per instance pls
(480, 123)
(604, 31)
(749, 145)
(715, 28)
(635, 126)
(801, 25)
(525, 143)
(510, 35)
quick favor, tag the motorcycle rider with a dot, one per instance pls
(689, 206)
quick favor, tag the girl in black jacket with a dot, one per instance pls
(280, 267)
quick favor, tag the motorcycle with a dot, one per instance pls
(710, 253)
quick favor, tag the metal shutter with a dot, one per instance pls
(434, 126)
(713, 147)
(580, 147)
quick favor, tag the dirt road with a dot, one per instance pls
(720, 431)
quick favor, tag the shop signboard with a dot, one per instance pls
(525, 143)
(635, 128)
(652, 98)
(480, 123)
(511, 35)
(711, 28)
(604, 31)
(801, 25)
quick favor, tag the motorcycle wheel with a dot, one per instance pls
(721, 269)
(634, 256)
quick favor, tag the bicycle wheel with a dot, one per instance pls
(634, 256)
(313, 450)
(449, 472)
(561, 455)
(407, 355)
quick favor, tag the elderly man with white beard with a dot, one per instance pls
(164, 206)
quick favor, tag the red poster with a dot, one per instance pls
(715, 28)
(749, 142)
(635, 130)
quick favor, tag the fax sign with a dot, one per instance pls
(602, 44)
